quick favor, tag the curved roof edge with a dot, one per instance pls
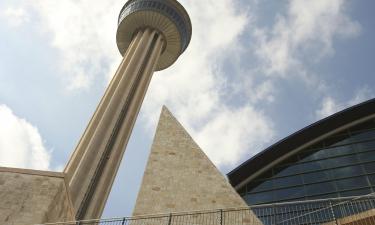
(239, 175)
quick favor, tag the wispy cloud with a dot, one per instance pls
(330, 105)
(21, 144)
(83, 32)
(15, 16)
(194, 88)
(306, 31)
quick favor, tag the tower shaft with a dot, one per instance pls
(93, 166)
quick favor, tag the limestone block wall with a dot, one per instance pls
(179, 177)
(33, 197)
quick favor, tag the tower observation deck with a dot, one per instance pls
(151, 35)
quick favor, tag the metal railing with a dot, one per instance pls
(338, 211)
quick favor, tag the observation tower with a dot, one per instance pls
(151, 35)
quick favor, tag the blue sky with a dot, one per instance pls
(255, 72)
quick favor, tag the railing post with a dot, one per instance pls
(170, 219)
(333, 212)
(221, 217)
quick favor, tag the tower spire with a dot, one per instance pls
(151, 35)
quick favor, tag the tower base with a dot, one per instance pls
(33, 197)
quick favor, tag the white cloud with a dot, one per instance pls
(194, 88)
(330, 105)
(230, 134)
(21, 145)
(16, 16)
(83, 32)
(309, 29)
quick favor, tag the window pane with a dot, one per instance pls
(259, 198)
(367, 156)
(289, 193)
(316, 177)
(341, 150)
(364, 136)
(287, 181)
(337, 140)
(372, 179)
(286, 170)
(355, 182)
(365, 146)
(347, 172)
(259, 186)
(311, 166)
(325, 196)
(320, 188)
(242, 191)
(370, 167)
(364, 191)
(309, 156)
(328, 153)
(340, 161)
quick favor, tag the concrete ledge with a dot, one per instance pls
(32, 172)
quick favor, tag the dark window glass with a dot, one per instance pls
(287, 181)
(347, 172)
(259, 186)
(320, 188)
(370, 167)
(364, 136)
(311, 166)
(308, 156)
(329, 163)
(316, 177)
(367, 156)
(242, 191)
(351, 183)
(325, 196)
(340, 161)
(365, 146)
(267, 174)
(327, 153)
(290, 160)
(340, 139)
(289, 193)
(336, 166)
(364, 191)
(258, 198)
(340, 150)
(372, 179)
(286, 170)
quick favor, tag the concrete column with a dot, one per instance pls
(98, 114)
(90, 175)
(104, 185)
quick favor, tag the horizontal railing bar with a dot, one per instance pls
(291, 211)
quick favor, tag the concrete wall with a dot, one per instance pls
(179, 177)
(31, 197)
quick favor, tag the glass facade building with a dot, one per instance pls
(340, 166)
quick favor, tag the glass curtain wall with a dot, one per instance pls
(339, 166)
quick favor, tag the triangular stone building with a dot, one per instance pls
(179, 177)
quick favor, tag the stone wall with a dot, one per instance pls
(179, 177)
(32, 197)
